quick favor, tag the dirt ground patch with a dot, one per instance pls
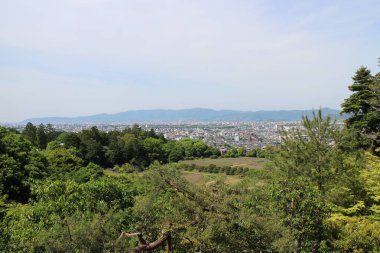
(246, 162)
(193, 178)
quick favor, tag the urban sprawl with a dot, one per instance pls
(222, 135)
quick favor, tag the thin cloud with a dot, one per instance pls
(246, 55)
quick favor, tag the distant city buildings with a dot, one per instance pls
(222, 135)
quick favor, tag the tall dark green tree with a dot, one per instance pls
(20, 164)
(154, 149)
(41, 139)
(69, 140)
(92, 142)
(30, 132)
(115, 152)
(363, 106)
(51, 133)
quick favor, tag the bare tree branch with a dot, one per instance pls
(144, 246)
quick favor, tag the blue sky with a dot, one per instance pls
(80, 57)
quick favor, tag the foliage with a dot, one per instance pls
(63, 161)
(355, 233)
(315, 152)
(40, 136)
(67, 216)
(20, 165)
(303, 211)
(30, 132)
(364, 104)
(319, 174)
(200, 219)
(89, 173)
(371, 176)
(320, 194)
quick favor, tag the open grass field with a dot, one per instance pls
(200, 178)
(246, 162)
(193, 177)
(196, 177)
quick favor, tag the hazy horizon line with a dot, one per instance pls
(158, 109)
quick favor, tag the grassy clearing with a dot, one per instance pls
(196, 177)
(112, 173)
(246, 162)
(201, 178)
(193, 177)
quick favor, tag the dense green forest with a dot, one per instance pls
(120, 191)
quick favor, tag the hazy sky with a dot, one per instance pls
(80, 57)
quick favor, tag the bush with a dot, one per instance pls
(233, 171)
(126, 168)
(212, 166)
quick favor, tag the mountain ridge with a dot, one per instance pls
(185, 115)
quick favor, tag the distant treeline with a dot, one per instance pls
(253, 152)
(212, 168)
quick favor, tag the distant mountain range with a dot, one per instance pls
(185, 115)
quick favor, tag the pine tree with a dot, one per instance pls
(30, 132)
(363, 106)
(41, 137)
